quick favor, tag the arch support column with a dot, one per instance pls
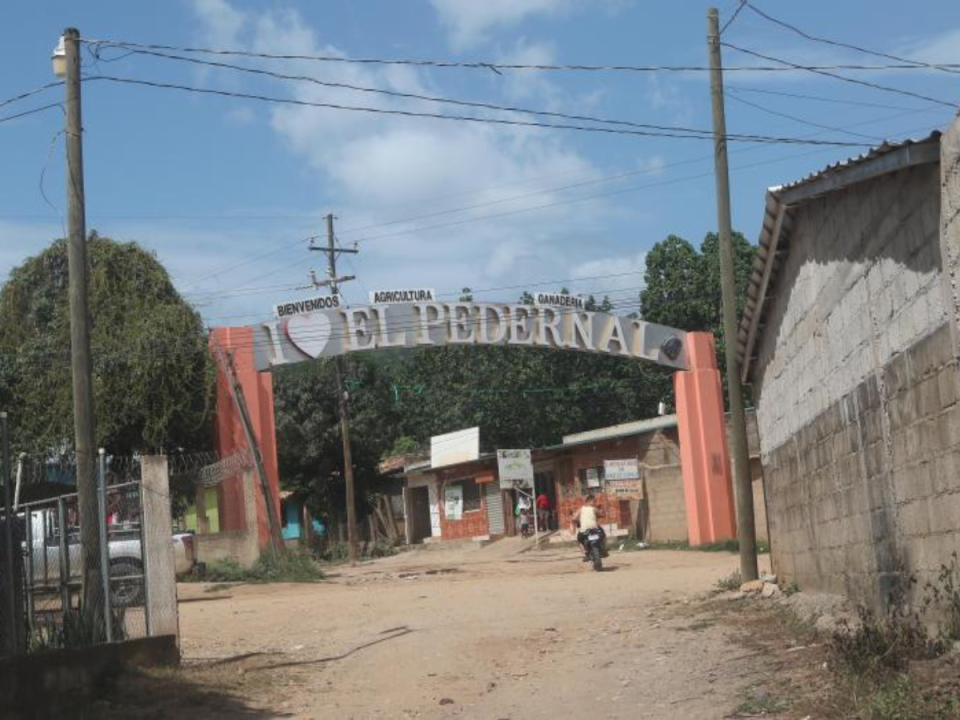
(704, 456)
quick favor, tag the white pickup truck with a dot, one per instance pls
(45, 564)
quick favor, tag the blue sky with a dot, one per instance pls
(225, 191)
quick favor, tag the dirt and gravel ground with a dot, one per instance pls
(460, 632)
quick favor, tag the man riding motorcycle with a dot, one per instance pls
(585, 519)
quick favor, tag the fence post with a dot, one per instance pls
(159, 564)
(104, 546)
(64, 556)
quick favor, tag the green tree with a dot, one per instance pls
(682, 285)
(309, 445)
(152, 371)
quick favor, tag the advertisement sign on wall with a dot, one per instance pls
(453, 501)
(515, 469)
(628, 469)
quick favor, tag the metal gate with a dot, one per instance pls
(495, 524)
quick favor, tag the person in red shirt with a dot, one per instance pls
(544, 508)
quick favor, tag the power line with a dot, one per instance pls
(7, 118)
(30, 93)
(825, 72)
(680, 134)
(485, 65)
(820, 98)
(413, 96)
(573, 200)
(871, 138)
(736, 13)
(838, 43)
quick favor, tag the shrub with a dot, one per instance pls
(282, 566)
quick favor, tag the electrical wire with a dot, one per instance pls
(736, 13)
(30, 93)
(837, 43)
(685, 135)
(33, 111)
(416, 96)
(825, 72)
(872, 138)
(800, 96)
(485, 65)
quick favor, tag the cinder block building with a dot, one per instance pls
(849, 340)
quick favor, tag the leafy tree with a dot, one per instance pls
(683, 285)
(152, 371)
(309, 445)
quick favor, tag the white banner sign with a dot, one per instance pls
(515, 469)
(559, 300)
(453, 501)
(296, 307)
(621, 469)
(409, 295)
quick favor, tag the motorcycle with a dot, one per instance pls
(593, 545)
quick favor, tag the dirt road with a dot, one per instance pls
(478, 633)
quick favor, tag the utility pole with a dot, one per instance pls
(81, 364)
(334, 283)
(746, 531)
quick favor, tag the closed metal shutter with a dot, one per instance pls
(495, 524)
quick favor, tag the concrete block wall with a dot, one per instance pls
(856, 387)
(860, 284)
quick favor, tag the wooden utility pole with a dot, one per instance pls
(334, 283)
(81, 363)
(746, 532)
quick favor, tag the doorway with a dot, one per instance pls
(543, 483)
(420, 514)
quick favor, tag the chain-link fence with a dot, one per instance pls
(73, 585)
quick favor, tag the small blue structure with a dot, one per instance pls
(292, 514)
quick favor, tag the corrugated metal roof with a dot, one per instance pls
(888, 146)
(631, 428)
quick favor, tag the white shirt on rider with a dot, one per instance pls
(588, 518)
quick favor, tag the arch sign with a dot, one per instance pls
(320, 327)
(296, 336)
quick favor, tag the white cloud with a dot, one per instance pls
(940, 48)
(469, 22)
(221, 24)
(622, 278)
(369, 164)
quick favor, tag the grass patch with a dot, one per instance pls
(761, 702)
(733, 581)
(731, 546)
(283, 566)
(890, 663)
(338, 553)
(702, 624)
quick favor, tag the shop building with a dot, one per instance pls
(464, 500)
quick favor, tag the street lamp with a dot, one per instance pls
(59, 59)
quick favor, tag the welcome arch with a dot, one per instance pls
(313, 329)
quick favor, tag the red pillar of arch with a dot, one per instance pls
(229, 435)
(704, 456)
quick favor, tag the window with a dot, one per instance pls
(471, 495)
(590, 479)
